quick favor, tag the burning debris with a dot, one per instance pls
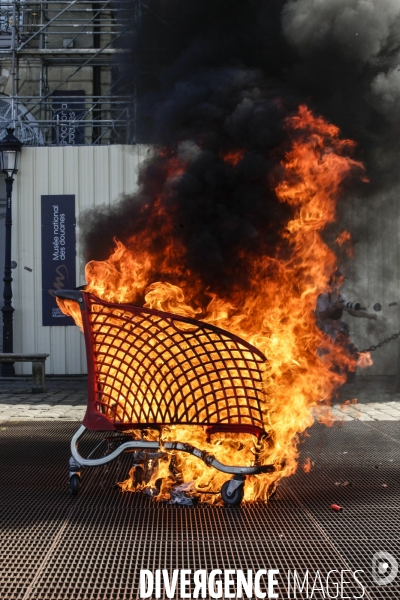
(274, 311)
(244, 177)
(308, 465)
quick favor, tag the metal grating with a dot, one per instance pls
(55, 547)
(155, 367)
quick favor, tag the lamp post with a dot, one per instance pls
(10, 147)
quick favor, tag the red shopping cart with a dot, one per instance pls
(148, 369)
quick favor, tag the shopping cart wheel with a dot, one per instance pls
(74, 482)
(235, 498)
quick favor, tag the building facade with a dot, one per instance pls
(95, 176)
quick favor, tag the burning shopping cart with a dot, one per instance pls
(149, 369)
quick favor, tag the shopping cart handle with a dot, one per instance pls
(75, 295)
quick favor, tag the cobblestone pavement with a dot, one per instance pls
(369, 398)
(65, 399)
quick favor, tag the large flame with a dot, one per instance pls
(276, 314)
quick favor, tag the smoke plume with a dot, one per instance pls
(348, 62)
(215, 82)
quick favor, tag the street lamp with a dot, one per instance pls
(10, 147)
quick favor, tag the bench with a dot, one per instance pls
(38, 367)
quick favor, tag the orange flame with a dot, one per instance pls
(344, 239)
(277, 313)
(364, 360)
(233, 158)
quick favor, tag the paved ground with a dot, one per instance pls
(369, 398)
(55, 546)
(65, 399)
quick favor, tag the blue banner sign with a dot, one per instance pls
(58, 255)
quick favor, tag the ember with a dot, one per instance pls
(232, 158)
(274, 311)
(344, 240)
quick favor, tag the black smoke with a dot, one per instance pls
(211, 76)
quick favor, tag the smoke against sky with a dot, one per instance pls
(341, 56)
(216, 77)
(349, 63)
(362, 30)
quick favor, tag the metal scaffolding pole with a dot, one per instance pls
(67, 56)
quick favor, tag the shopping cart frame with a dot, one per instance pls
(134, 352)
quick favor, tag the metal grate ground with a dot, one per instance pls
(55, 547)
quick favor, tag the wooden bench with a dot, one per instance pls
(38, 367)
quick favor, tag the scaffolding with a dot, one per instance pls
(60, 81)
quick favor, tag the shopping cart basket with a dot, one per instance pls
(148, 369)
